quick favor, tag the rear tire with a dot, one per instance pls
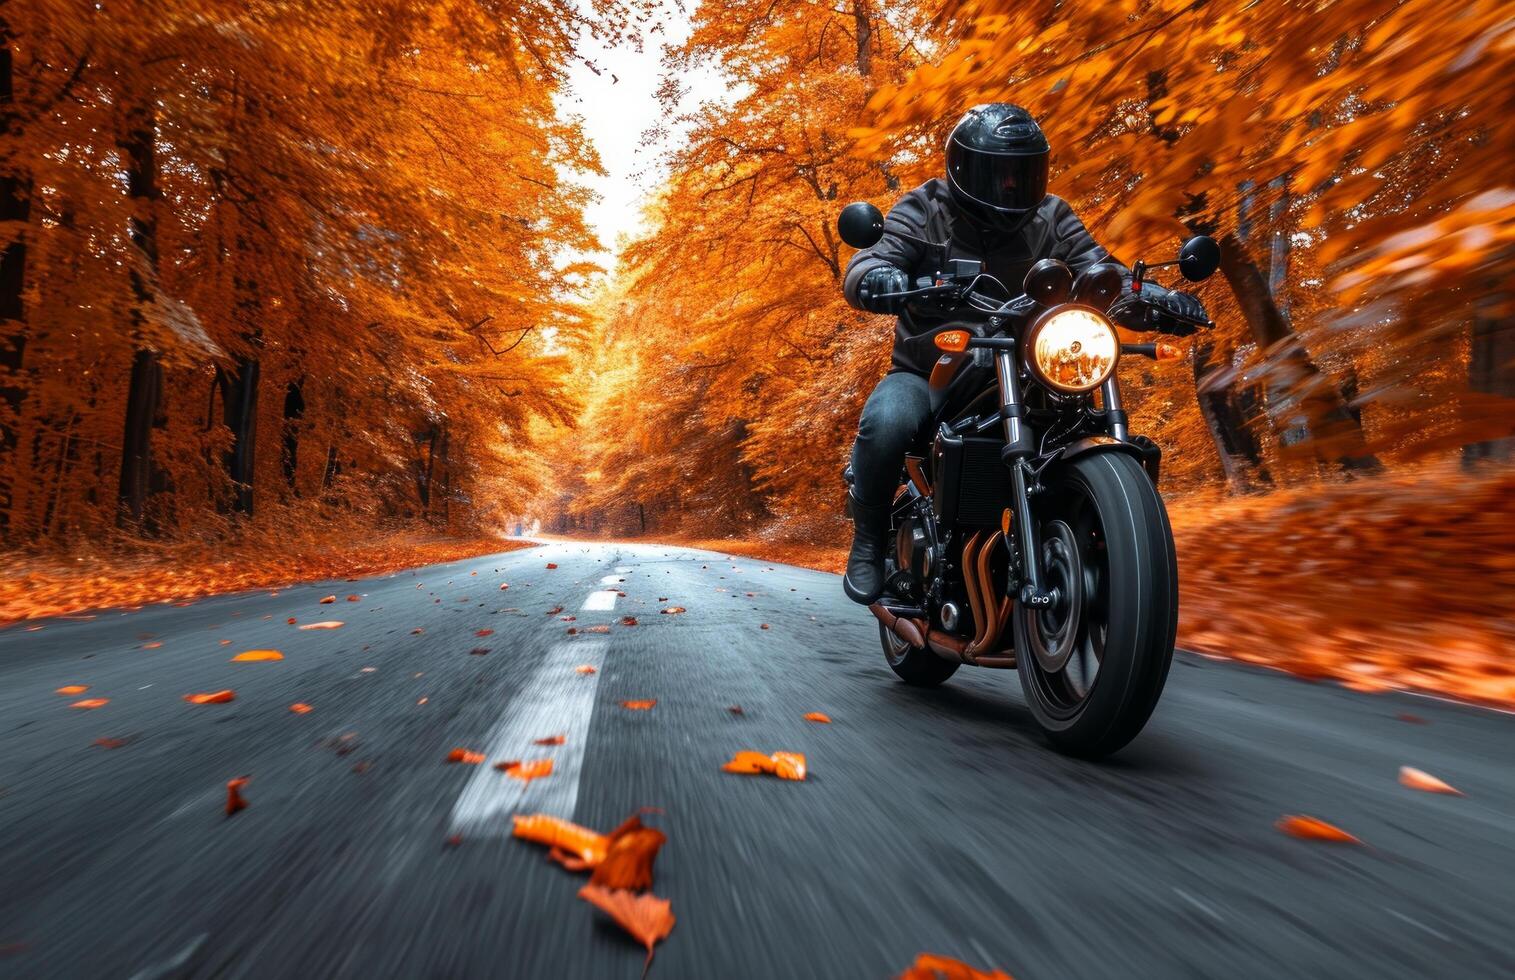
(1105, 538)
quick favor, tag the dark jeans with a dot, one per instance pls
(893, 417)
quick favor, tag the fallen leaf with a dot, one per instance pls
(504, 586)
(647, 918)
(559, 834)
(554, 610)
(484, 632)
(214, 697)
(453, 841)
(226, 643)
(478, 651)
(291, 620)
(552, 564)
(818, 718)
(584, 669)
(1412, 719)
(1309, 828)
(110, 743)
(573, 631)
(72, 689)
(568, 619)
(300, 708)
(466, 757)
(929, 966)
(629, 858)
(330, 624)
(328, 600)
(421, 701)
(628, 620)
(526, 771)
(1425, 782)
(152, 646)
(234, 800)
(551, 740)
(785, 765)
(354, 598)
(639, 705)
(596, 629)
(251, 656)
(673, 610)
(417, 631)
(763, 626)
(736, 709)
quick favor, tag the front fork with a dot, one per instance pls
(1020, 446)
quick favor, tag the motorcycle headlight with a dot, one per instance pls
(1072, 349)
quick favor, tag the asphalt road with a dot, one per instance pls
(931, 820)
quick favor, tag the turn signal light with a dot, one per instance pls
(1169, 352)
(955, 341)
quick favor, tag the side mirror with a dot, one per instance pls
(1199, 258)
(1098, 286)
(1048, 282)
(860, 224)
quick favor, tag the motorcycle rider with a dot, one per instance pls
(993, 207)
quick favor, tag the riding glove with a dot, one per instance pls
(878, 282)
(1165, 310)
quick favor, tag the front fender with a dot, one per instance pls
(1142, 449)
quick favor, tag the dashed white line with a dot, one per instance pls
(557, 700)
(601, 601)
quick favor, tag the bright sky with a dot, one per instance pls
(617, 106)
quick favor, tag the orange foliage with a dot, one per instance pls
(1311, 828)
(784, 765)
(212, 697)
(647, 918)
(929, 966)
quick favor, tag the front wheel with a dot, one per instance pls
(1093, 665)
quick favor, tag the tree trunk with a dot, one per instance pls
(294, 412)
(862, 18)
(139, 476)
(1306, 405)
(15, 207)
(1226, 416)
(1491, 371)
(239, 412)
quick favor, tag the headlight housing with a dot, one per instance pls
(1072, 349)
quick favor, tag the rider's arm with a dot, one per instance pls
(1075, 246)
(908, 216)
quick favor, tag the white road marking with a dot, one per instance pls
(600, 601)
(555, 701)
(612, 579)
(623, 569)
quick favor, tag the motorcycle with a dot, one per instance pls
(1028, 533)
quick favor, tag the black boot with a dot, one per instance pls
(864, 581)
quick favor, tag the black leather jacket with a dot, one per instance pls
(929, 213)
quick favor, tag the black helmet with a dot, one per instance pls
(997, 162)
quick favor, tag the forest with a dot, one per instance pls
(281, 275)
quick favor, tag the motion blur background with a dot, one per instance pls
(348, 285)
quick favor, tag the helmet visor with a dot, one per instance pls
(1012, 183)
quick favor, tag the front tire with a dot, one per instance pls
(1093, 668)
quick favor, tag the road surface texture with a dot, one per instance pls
(931, 820)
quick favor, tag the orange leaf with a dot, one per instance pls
(484, 632)
(504, 586)
(354, 598)
(300, 708)
(673, 610)
(478, 651)
(639, 705)
(1425, 782)
(584, 669)
(214, 697)
(110, 743)
(88, 703)
(928, 966)
(646, 917)
(526, 771)
(72, 689)
(152, 646)
(466, 757)
(328, 600)
(555, 832)
(818, 718)
(1309, 828)
(628, 620)
(417, 631)
(551, 740)
(250, 656)
(763, 626)
(628, 862)
(234, 800)
(785, 765)
(329, 624)
(552, 564)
